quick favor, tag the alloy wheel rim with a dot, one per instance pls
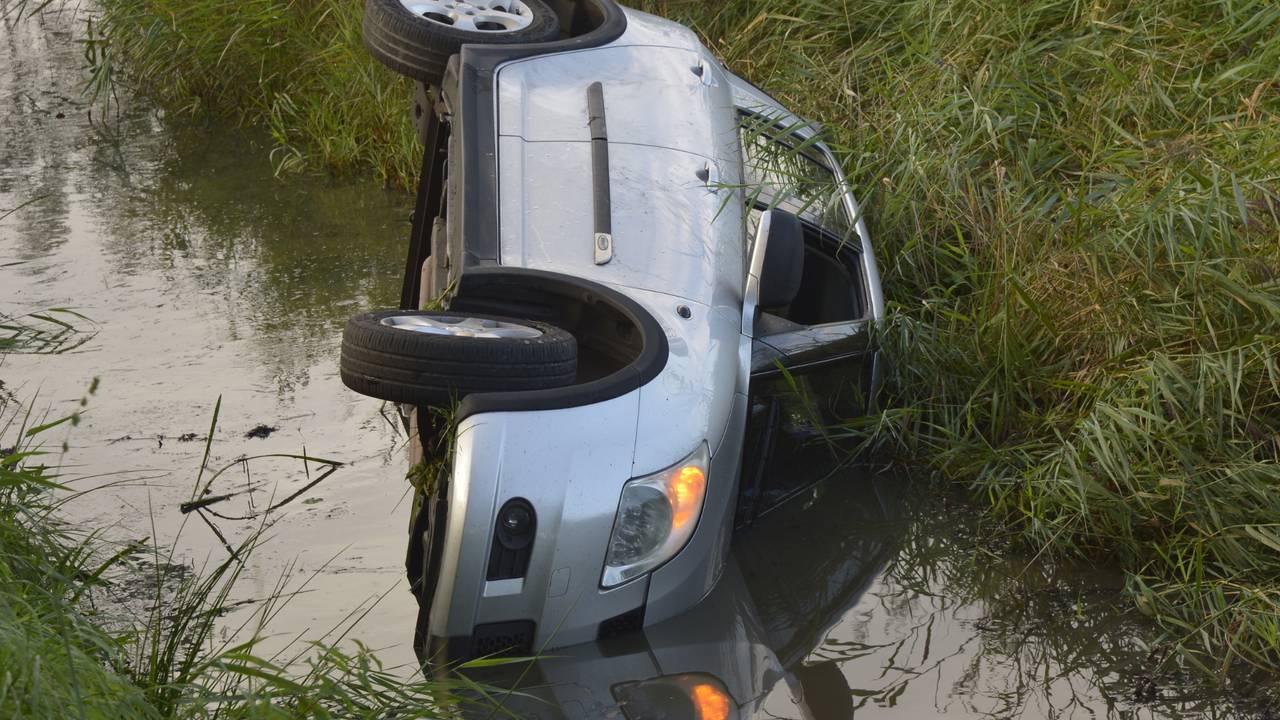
(483, 16)
(462, 327)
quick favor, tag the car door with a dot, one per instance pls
(812, 361)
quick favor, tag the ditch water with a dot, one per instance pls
(206, 277)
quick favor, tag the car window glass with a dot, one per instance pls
(784, 171)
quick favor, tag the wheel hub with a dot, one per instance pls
(485, 16)
(462, 327)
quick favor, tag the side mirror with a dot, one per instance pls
(777, 265)
(783, 261)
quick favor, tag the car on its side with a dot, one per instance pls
(634, 283)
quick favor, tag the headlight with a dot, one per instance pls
(656, 518)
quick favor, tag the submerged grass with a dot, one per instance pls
(1076, 205)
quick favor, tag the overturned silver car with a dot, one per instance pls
(650, 278)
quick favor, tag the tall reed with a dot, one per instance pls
(299, 68)
(1076, 207)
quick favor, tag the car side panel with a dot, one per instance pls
(692, 574)
(675, 98)
(672, 232)
(692, 399)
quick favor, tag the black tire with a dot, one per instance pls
(399, 365)
(420, 48)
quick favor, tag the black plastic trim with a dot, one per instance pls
(435, 143)
(476, 119)
(502, 639)
(510, 552)
(602, 202)
(630, 622)
(476, 282)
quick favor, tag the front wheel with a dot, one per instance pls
(430, 358)
(416, 38)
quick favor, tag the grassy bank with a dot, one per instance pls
(60, 660)
(91, 628)
(1077, 215)
(298, 68)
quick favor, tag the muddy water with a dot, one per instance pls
(925, 616)
(206, 277)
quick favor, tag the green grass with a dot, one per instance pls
(1075, 206)
(72, 644)
(56, 662)
(298, 68)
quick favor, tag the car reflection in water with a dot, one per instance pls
(746, 647)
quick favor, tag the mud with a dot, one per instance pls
(262, 432)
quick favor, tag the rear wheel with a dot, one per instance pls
(430, 358)
(416, 38)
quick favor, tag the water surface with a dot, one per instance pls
(205, 277)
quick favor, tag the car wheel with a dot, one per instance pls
(431, 358)
(416, 38)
